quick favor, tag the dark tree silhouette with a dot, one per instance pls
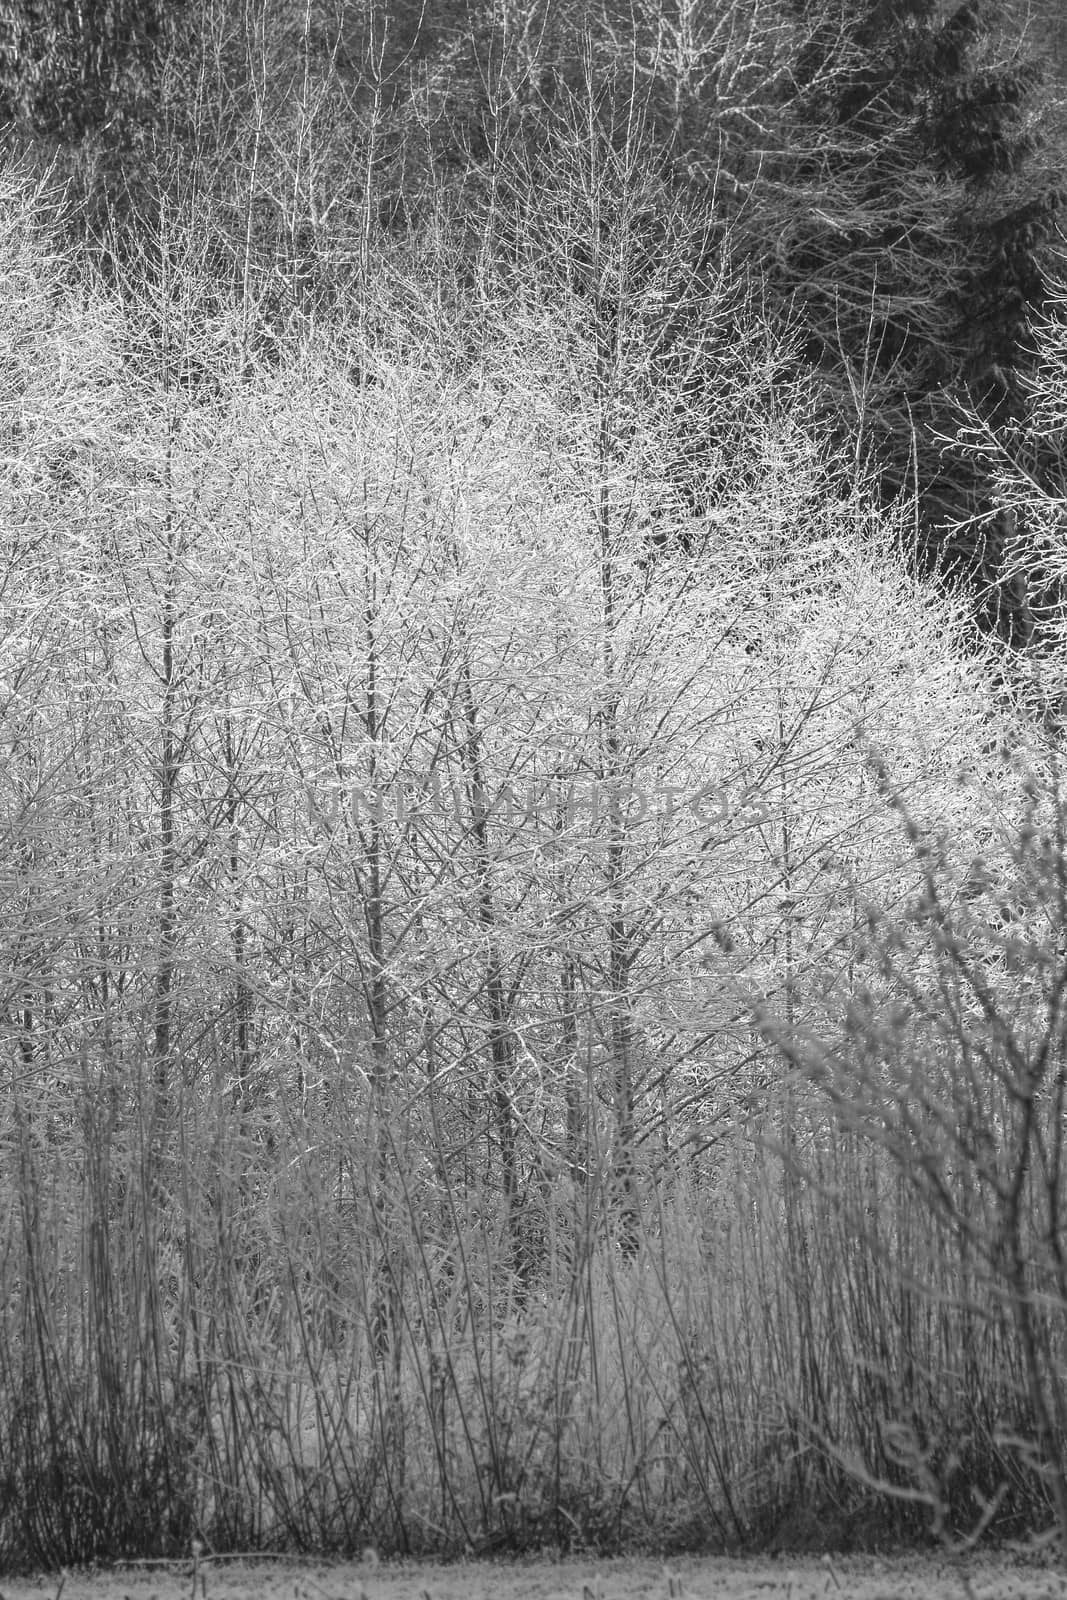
(911, 213)
(68, 66)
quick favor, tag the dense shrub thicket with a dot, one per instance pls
(532, 971)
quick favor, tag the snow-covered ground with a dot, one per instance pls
(992, 1577)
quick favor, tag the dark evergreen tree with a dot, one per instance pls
(911, 214)
(68, 66)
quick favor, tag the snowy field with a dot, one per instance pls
(694, 1578)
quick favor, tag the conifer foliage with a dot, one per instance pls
(68, 66)
(915, 211)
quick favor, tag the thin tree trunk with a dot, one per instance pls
(501, 1034)
(242, 993)
(619, 940)
(168, 780)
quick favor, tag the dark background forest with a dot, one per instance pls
(533, 991)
